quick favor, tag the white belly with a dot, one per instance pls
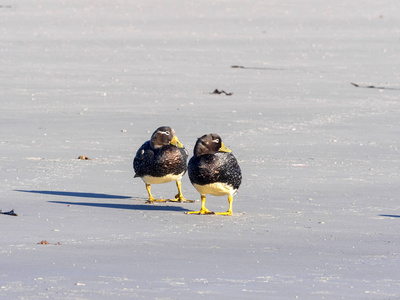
(164, 179)
(216, 189)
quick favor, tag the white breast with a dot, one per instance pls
(168, 178)
(216, 189)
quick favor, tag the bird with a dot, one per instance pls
(214, 170)
(162, 159)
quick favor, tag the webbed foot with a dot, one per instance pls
(226, 213)
(152, 200)
(181, 199)
(201, 212)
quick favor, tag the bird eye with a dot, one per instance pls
(216, 140)
(167, 132)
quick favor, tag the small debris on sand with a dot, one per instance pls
(216, 91)
(8, 213)
(84, 157)
(44, 242)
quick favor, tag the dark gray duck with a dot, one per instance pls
(162, 159)
(214, 170)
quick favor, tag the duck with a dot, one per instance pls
(214, 170)
(162, 159)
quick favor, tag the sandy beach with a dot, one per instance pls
(317, 215)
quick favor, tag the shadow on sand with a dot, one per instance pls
(76, 194)
(390, 216)
(125, 206)
(151, 207)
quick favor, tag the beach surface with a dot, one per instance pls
(317, 215)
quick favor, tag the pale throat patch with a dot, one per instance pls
(215, 189)
(164, 179)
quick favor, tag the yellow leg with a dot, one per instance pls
(179, 197)
(203, 210)
(229, 212)
(151, 199)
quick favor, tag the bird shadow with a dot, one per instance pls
(390, 216)
(149, 207)
(76, 194)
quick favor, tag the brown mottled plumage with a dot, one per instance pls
(161, 159)
(214, 170)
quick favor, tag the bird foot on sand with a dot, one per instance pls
(226, 213)
(151, 201)
(201, 212)
(181, 200)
